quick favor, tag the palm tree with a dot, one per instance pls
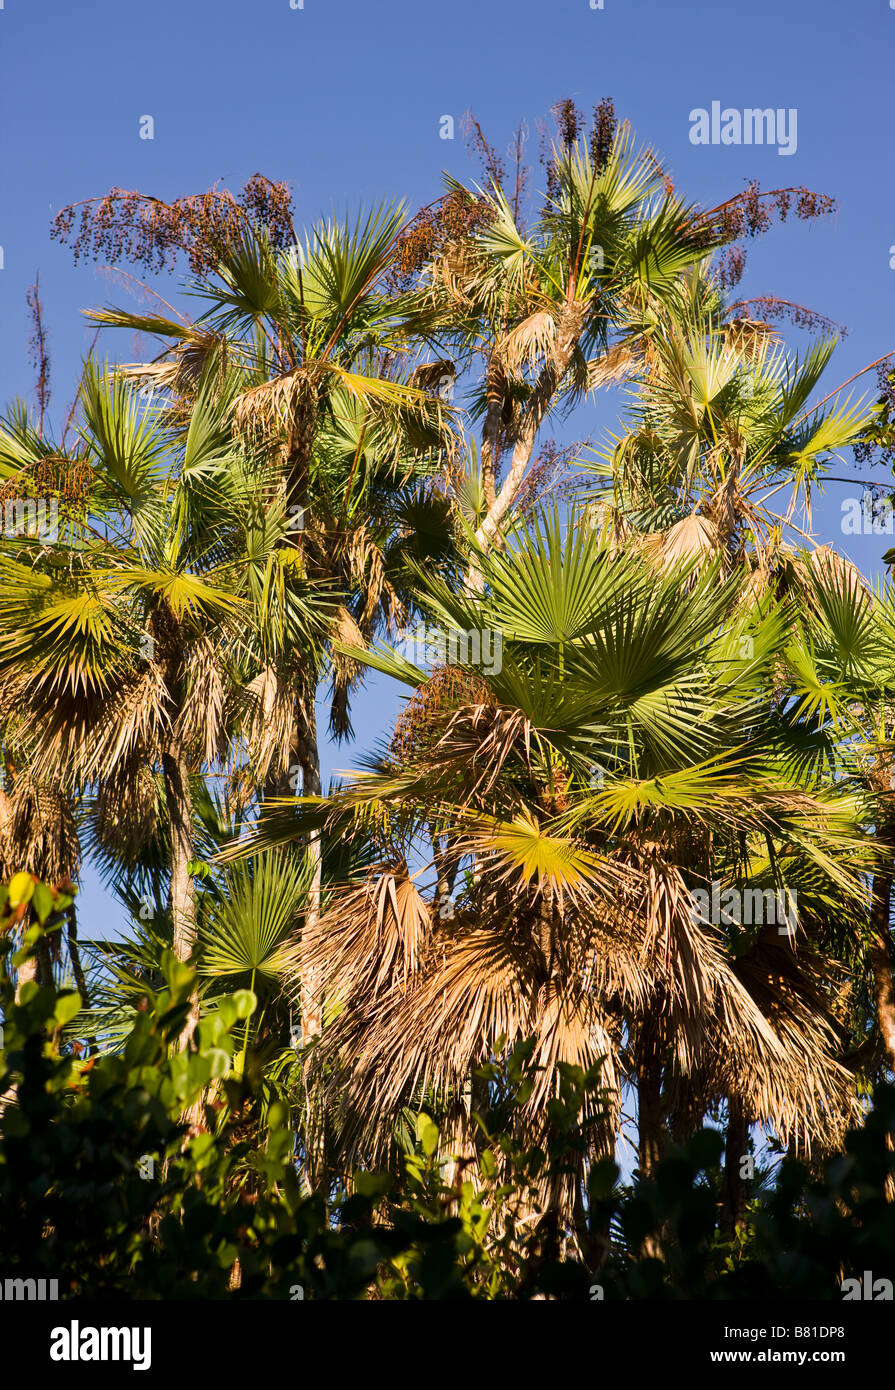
(539, 825)
(120, 641)
(839, 663)
(569, 303)
(318, 330)
(39, 831)
(351, 448)
(560, 904)
(720, 429)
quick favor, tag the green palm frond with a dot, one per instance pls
(251, 929)
(127, 448)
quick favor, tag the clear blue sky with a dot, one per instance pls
(344, 98)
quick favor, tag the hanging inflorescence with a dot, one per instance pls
(571, 123)
(878, 443)
(452, 218)
(38, 350)
(769, 308)
(750, 214)
(430, 707)
(125, 225)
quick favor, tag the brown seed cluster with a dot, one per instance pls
(38, 352)
(125, 225)
(452, 218)
(767, 306)
(878, 444)
(568, 121)
(547, 478)
(731, 265)
(69, 480)
(752, 212)
(493, 166)
(423, 718)
(603, 132)
(570, 125)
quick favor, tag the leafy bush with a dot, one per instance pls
(133, 1174)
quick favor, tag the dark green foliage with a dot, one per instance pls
(75, 1206)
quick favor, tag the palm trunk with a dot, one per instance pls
(38, 966)
(311, 997)
(296, 464)
(546, 929)
(570, 323)
(75, 956)
(880, 959)
(650, 1127)
(879, 951)
(734, 1152)
(178, 798)
(169, 647)
(299, 450)
(495, 396)
(650, 1113)
(26, 971)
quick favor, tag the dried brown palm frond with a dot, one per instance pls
(289, 403)
(528, 344)
(127, 810)
(837, 571)
(372, 937)
(266, 710)
(728, 506)
(756, 1026)
(38, 830)
(684, 958)
(347, 672)
(476, 744)
(267, 409)
(572, 1029)
(133, 717)
(749, 338)
(618, 364)
(153, 376)
(459, 272)
(569, 1031)
(604, 939)
(475, 990)
(694, 538)
(202, 722)
(431, 705)
(429, 376)
(793, 992)
(366, 570)
(85, 730)
(193, 355)
(805, 573)
(181, 369)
